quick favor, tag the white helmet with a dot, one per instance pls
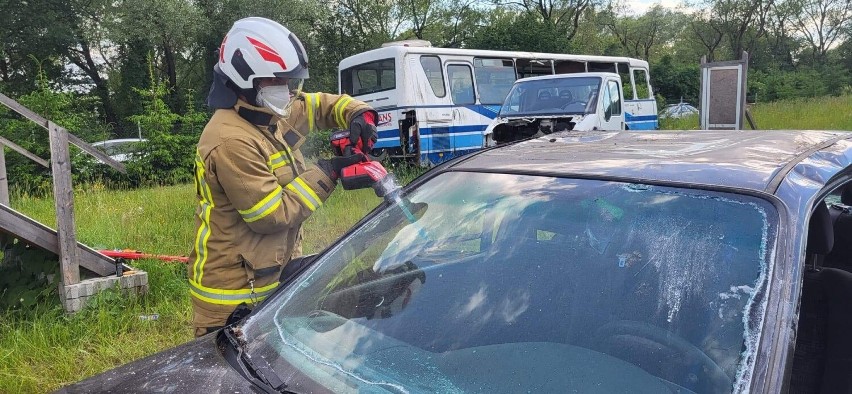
(262, 48)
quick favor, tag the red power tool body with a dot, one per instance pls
(356, 169)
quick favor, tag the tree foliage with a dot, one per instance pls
(110, 68)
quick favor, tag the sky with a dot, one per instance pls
(639, 7)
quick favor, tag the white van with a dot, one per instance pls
(436, 103)
(539, 106)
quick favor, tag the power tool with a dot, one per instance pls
(358, 170)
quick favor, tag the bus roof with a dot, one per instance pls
(398, 50)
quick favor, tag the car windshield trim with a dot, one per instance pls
(420, 255)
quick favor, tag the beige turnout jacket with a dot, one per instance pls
(254, 190)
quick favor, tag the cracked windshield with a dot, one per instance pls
(505, 283)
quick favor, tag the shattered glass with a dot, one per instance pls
(508, 283)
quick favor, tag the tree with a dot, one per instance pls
(79, 37)
(822, 23)
(564, 15)
(519, 31)
(169, 27)
(739, 22)
(639, 35)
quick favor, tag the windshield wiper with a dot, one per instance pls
(259, 373)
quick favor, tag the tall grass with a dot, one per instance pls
(44, 349)
(821, 113)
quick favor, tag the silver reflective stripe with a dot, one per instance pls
(308, 195)
(263, 210)
(232, 297)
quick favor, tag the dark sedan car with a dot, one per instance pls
(664, 262)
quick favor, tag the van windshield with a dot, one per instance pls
(569, 95)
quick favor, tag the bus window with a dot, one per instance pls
(494, 78)
(626, 86)
(597, 67)
(369, 77)
(461, 84)
(643, 90)
(569, 67)
(533, 67)
(432, 67)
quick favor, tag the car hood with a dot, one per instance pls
(194, 367)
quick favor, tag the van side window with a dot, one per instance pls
(461, 84)
(432, 67)
(615, 98)
(494, 78)
(606, 102)
(369, 77)
(643, 89)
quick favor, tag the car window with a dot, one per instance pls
(492, 282)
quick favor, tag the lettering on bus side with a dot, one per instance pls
(385, 119)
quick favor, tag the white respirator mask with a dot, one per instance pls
(279, 98)
(275, 98)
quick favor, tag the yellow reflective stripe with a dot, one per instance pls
(311, 104)
(228, 296)
(339, 109)
(307, 195)
(263, 208)
(278, 160)
(206, 207)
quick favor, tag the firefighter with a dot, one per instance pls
(253, 185)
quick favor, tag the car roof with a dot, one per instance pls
(753, 160)
(563, 76)
(118, 141)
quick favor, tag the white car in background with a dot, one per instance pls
(121, 149)
(679, 110)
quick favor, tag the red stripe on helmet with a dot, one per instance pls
(222, 50)
(267, 53)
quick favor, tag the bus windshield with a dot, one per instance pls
(568, 95)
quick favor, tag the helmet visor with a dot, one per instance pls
(295, 86)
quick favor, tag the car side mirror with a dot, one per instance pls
(608, 112)
(295, 266)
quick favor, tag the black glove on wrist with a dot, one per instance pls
(362, 131)
(328, 168)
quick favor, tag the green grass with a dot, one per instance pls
(822, 113)
(44, 349)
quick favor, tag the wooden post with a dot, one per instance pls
(4, 194)
(63, 193)
(4, 181)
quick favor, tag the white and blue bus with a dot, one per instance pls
(435, 103)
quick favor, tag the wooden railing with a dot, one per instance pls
(63, 192)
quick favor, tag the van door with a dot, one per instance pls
(640, 111)
(611, 106)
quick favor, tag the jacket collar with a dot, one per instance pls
(258, 116)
